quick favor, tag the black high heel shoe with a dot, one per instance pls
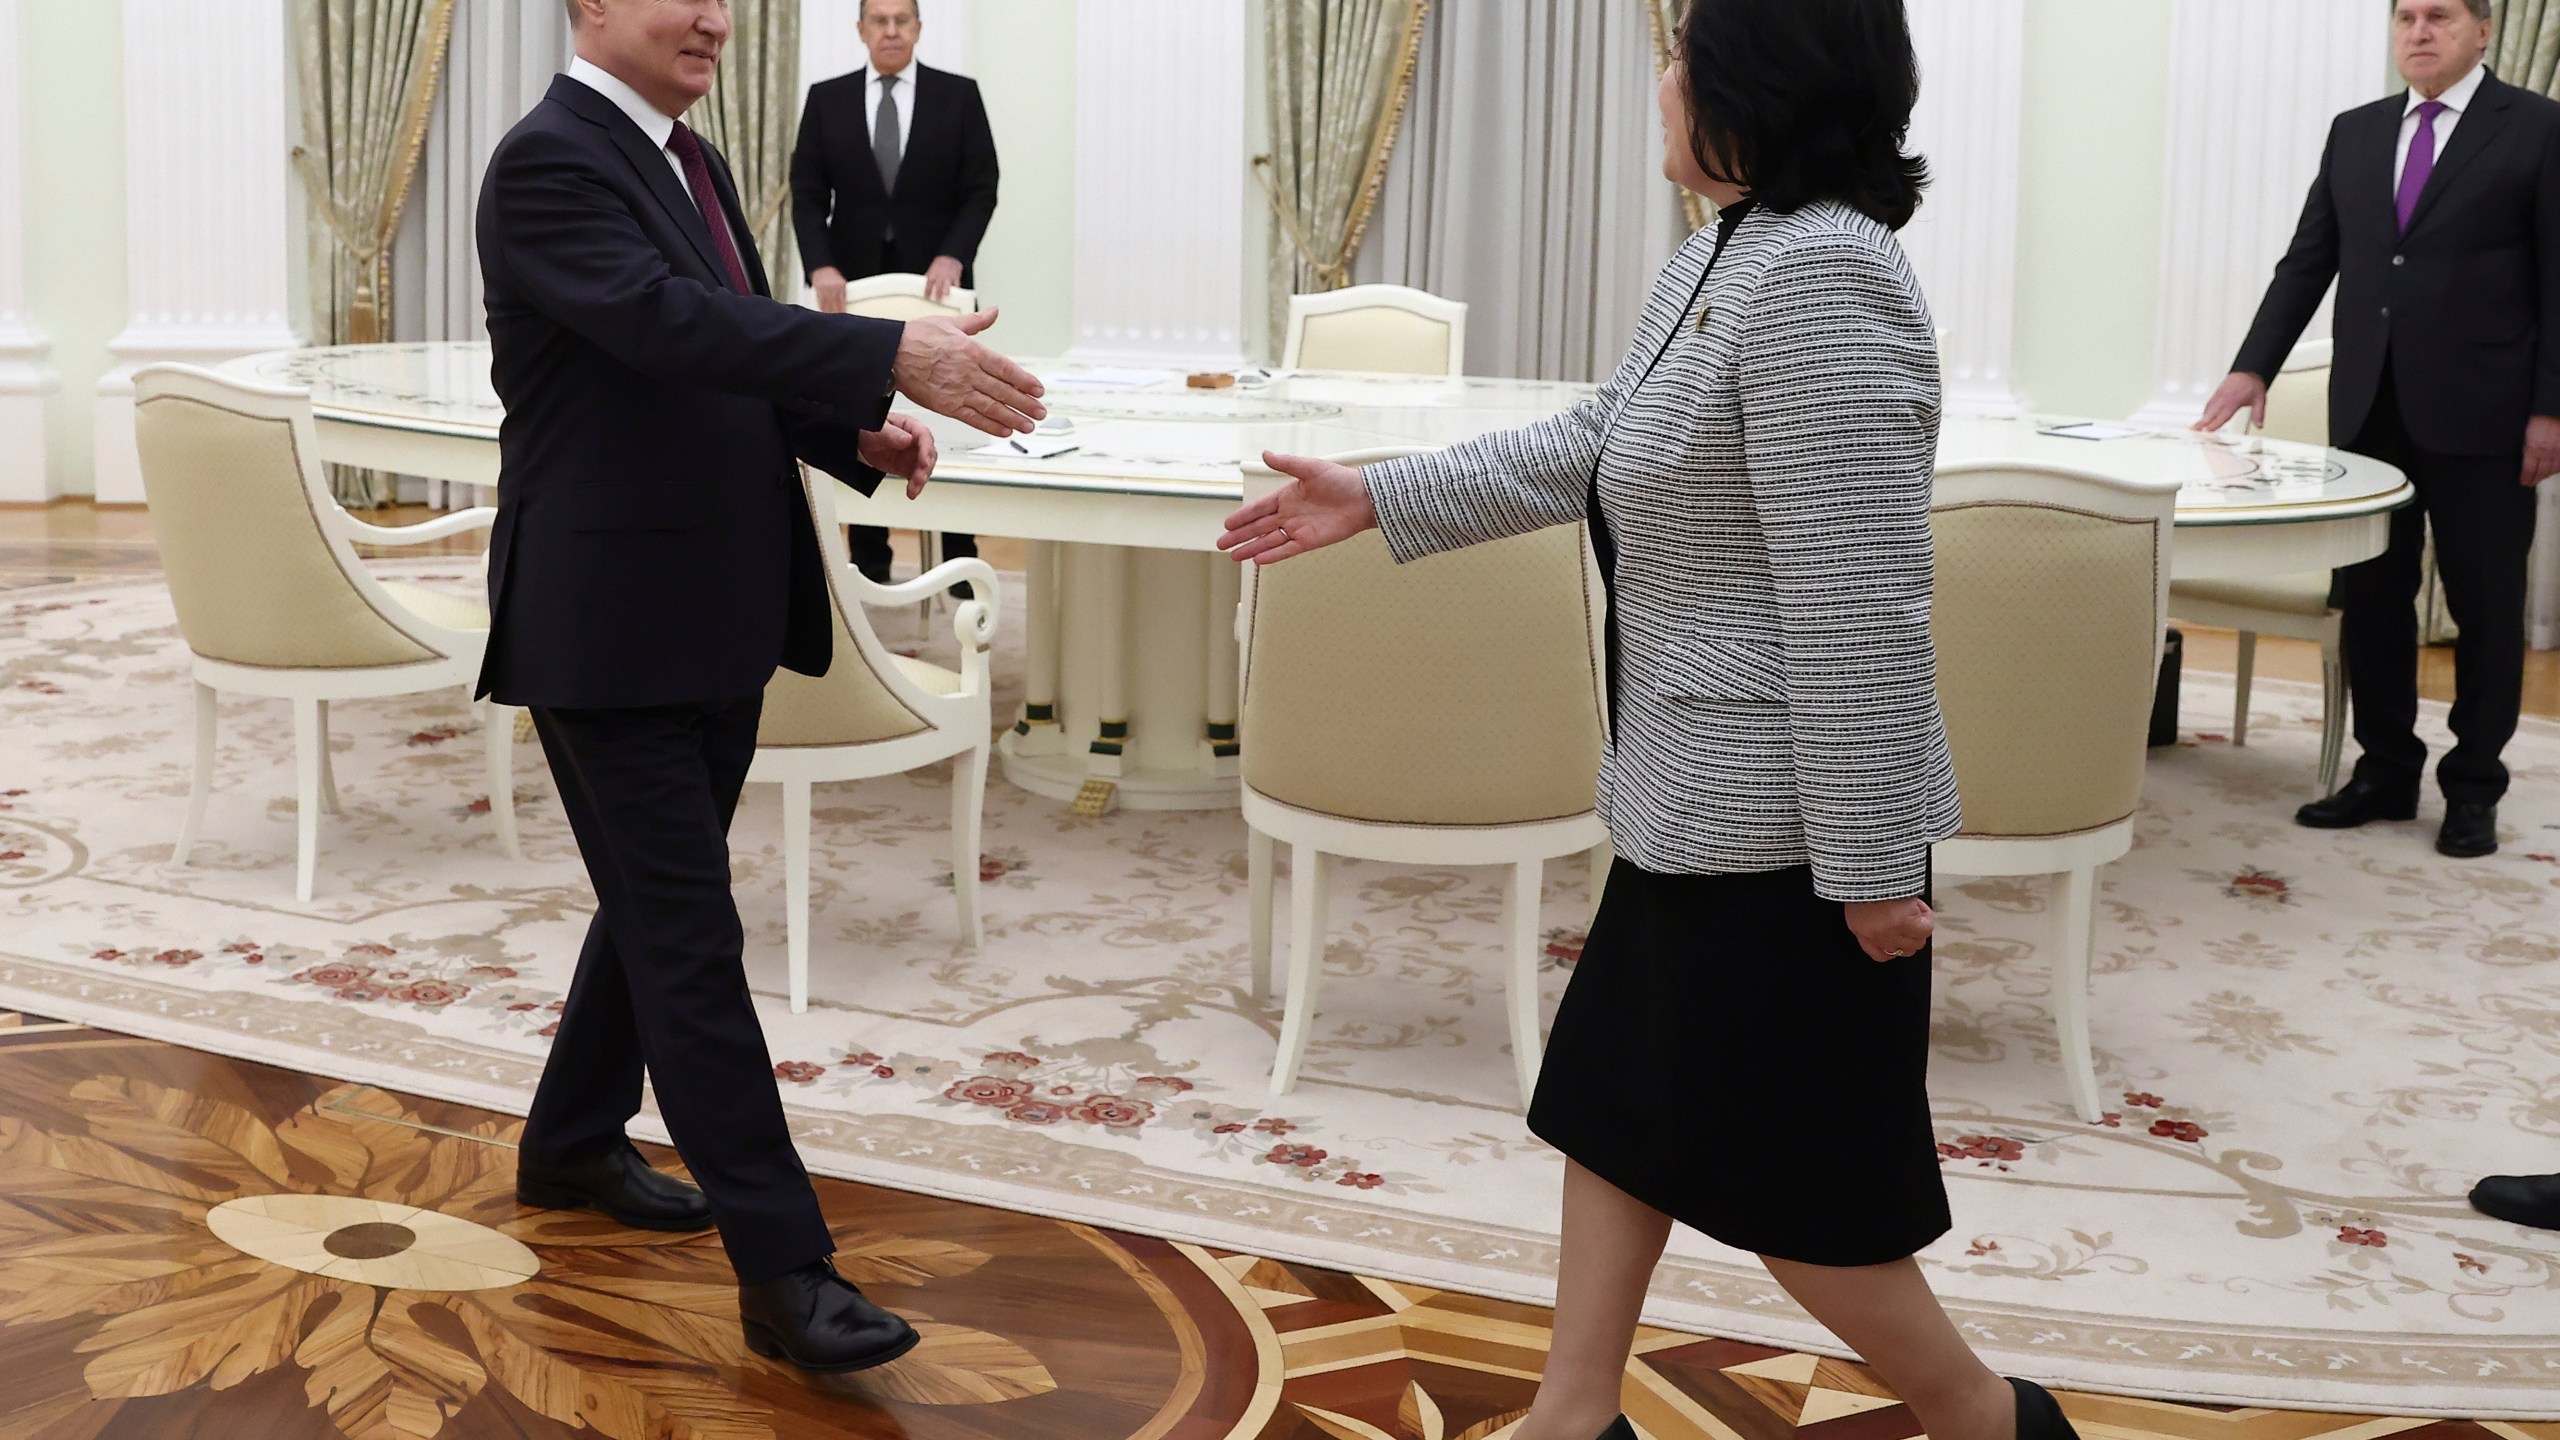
(1619, 1429)
(2040, 1416)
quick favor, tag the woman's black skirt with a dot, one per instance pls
(1728, 1055)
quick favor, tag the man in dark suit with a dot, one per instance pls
(894, 172)
(2438, 214)
(652, 564)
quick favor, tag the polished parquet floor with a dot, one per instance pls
(196, 1246)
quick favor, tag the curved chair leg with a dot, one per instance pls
(1259, 860)
(201, 788)
(328, 768)
(1310, 875)
(2333, 713)
(310, 733)
(499, 727)
(795, 872)
(2079, 938)
(1521, 891)
(968, 805)
(2243, 672)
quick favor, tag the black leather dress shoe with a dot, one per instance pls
(620, 1184)
(2040, 1416)
(1619, 1429)
(814, 1318)
(2470, 830)
(2520, 1199)
(2359, 801)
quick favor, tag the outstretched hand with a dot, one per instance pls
(2238, 391)
(943, 369)
(1323, 503)
(902, 446)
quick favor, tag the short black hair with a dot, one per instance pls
(1806, 100)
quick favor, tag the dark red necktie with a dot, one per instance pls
(697, 178)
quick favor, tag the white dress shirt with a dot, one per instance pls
(2456, 98)
(902, 95)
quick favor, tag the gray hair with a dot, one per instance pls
(863, 12)
(574, 19)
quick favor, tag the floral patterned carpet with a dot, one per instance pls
(2317, 1040)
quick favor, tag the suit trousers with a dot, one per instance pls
(661, 984)
(870, 547)
(2483, 522)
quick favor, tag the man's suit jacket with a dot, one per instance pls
(2465, 307)
(652, 545)
(946, 190)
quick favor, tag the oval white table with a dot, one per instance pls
(1131, 694)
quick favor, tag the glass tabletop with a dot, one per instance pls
(1149, 432)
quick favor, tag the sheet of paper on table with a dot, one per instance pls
(2092, 430)
(1118, 376)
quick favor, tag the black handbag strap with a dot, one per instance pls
(1604, 546)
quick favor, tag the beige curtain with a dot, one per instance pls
(750, 115)
(368, 71)
(1340, 72)
(1665, 17)
(1529, 183)
(2526, 52)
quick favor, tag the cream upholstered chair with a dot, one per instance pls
(1381, 329)
(876, 712)
(1447, 712)
(2050, 588)
(271, 597)
(901, 297)
(2295, 607)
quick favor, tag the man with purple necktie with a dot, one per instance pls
(2437, 212)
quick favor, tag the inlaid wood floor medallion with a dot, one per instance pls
(194, 1246)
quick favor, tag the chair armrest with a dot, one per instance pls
(933, 582)
(479, 517)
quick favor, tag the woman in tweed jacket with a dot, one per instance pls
(1744, 1045)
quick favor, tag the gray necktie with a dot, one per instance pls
(884, 133)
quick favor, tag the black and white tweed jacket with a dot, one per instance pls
(1768, 488)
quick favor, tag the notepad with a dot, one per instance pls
(2092, 430)
(1028, 447)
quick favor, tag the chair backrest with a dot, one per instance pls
(241, 509)
(901, 297)
(2298, 398)
(2052, 592)
(1462, 689)
(1380, 329)
(863, 698)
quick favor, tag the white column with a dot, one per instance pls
(1160, 182)
(2252, 89)
(1965, 241)
(25, 378)
(209, 238)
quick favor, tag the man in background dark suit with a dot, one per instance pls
(2438, 214)
(894, 172)
(652, 564)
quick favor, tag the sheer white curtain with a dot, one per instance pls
(1528, 183)
(504, 55)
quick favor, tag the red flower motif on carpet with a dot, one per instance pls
(430, 992)
(1012, 1060)
(1114, 1112)
(1274, 1125)
(2350, 1235)
(990, 1091)
(860, 1059)
(2143, 1100)
(1037, 1112)
(379, 951)
(336, 977)
(798, 1072)
(2472, 1263)
(1304, 1156)
(175, 958)
(1169, 1084)
(2257, 885)
(1564, 947)
(2113, 1120)
(2186, 1130)
(1358, 1180)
